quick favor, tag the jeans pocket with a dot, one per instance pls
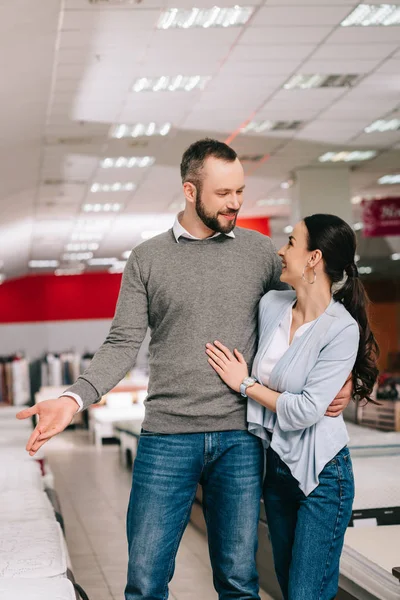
(349, 464)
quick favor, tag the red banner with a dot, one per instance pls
(381, 217)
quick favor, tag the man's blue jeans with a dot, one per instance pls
(307, 532)
(167, 470)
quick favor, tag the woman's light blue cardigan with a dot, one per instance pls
(309, 376)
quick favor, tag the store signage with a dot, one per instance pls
(381, 217)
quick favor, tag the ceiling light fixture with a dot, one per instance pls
(389, 179)
(365, 270)
(305, 82)
(261, 126)
(113, 187)
(140, 130)
(127, 162)
(286, 185)
(358, 226)
(274, 202)
(102, 207)
(70, 256)
(347, 156)
(43, 264)
(382, 125)
(117, 267)
(85, 237)
(288, 229)
(204, 17)
(78, 270)
(76, 247)
(88, 225)
(167, 83)
(371, 15)
(97, 262)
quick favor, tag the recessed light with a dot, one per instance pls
(128, 162)
(261, 126)
(43, 264)
(365, 270)
(367, 15)
(305, 82)
(389, 179)
(358, 226)
(382, 125)
(70, 256)
(109, 207)
(273, 202)
(95, 262)
(204, 17)
(113, 187)
(167, 83)
(395, 256)
(356, 200)
(348, 156)
(288, 229)
(76, 247)
(140, 130)
(286, 185)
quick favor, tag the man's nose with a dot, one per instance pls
(235, 202)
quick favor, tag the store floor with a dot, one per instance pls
(94, 489)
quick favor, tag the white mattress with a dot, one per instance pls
(371, 442)
(14, 438)
(36, 589)
(32, 549)
(104, 414)
(20, 475)
(25, 505)
(19, 453)
(377, 482)
(368, 557)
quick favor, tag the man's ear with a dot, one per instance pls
(190, 191)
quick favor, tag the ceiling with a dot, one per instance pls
(69, 67)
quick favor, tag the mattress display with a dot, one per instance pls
(105, 414)
(32, 549)
(130, 427)
(36, 589)
(371, 442)
(14, 437)
(377, 489)
(17, 475)
(368, 558)
(25, 505)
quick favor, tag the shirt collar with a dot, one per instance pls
(180, 231)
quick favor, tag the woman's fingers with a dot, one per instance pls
(221, 355)
(240, 357)
(215, 358)
(216, 367)
(224, 349)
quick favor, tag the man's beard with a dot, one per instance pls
(211, 221)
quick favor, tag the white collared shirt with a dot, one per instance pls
(180, 231)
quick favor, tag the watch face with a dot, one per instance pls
(248, 380)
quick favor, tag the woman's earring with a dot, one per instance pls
(304, 276)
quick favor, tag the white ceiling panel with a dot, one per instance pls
(365, 35)
(195, 37)
(390, 67)
(283, 35)
(349, 65)
(378, 140)
(118, 21)
(262, 68)
(346, 52)
(301, 16)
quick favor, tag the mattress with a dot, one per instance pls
(368, 557)
(14, 437)
(32, 549)
(36, 589)
(131, 427)
(105, 414)
(20, 475)
(25, 505)
(371, 442)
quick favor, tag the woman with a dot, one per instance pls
(311, 339)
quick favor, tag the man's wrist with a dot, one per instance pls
(72, 399)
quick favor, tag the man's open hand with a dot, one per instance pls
(54, 417)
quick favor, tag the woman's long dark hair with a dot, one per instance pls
(337, 242)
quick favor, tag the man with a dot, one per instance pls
(196, 283)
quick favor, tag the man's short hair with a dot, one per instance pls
(195, 156)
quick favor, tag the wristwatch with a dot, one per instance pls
(247, 382)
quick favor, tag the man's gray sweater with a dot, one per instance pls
(188, 293)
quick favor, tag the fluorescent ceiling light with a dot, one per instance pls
(77, 256)
(288, 229)
(85, 237)
(367, 15)
(140, 130)
(167, 83)
(102, 207)
(382, 125)
(88, 225)
(73, 271)
(128, 162)
(204, 17)
(126, 255)
(365, 270)
(261, 126)
(147, 235)
(395, 256)
(305, 82)
(347, 156)
(286, 185)
(76, 247)
(356, 200)
(273, 202)
(113, 187)
(96, 262)
(389, 179)
(117, 267)
(358, 226)
(43, 264)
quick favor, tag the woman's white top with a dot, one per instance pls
(280, 343)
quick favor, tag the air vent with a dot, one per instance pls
(74, 141)
(254, 158)
(287, 125)
(305, 82)
(262, 126)
(138, 143)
